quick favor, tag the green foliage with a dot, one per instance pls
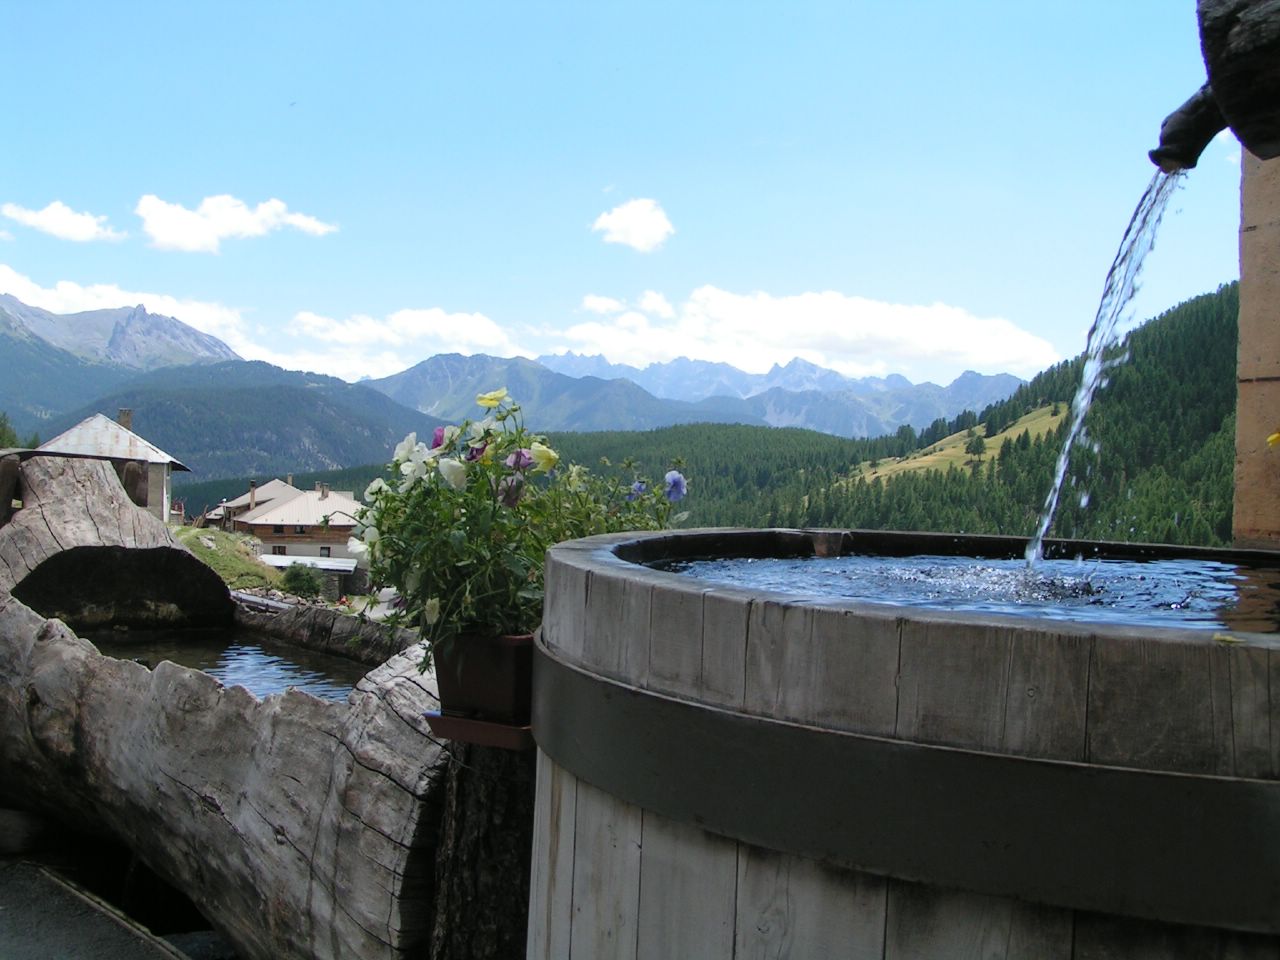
(9, 436)
(300, 580)
(459, 528)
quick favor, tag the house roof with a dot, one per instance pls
(273, 489)
(101, 437)
(307, 509)
(320, 563)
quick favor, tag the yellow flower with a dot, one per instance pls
(492, 398)
(544, 458)
(1273, 439)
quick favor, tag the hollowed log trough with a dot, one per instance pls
(299, 827)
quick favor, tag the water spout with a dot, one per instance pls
(1240, 41)
(1187, 131)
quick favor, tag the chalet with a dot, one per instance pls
(273, 491)
(101, 438)
(308, 527)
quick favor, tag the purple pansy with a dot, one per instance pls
(676, 485)
(638, 489)
(522, 459)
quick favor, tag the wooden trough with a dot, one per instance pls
(733, 774)
(301, 828)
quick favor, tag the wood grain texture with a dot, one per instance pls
(724, 648)
(791, 908)
(1160, 705)
(616, 638)
(926, 923)
(606, 876)
(675, 641)
(551, 881)
(688, 888)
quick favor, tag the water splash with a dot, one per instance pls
(1117, 294)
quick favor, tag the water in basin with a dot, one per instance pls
(238, 657)
(1206, 594)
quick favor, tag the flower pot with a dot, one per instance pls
(486, 677)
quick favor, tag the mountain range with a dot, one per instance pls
(573, 392)
(222, 416)
(50, 363)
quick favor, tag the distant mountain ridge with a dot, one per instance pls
(127, 336)
(589, 393)
(51, 362)
(244, 418)
(685, 379)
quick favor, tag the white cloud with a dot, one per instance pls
(655, 303)
(854, 335)
(59, 220)
(5, 235)
(417, 332)
(602, 305)
(172, 226)
(640, 224)
(66, 296)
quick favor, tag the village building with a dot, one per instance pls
(308, 527)
(101, 438)
(273, 491)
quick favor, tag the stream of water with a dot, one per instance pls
(1117, 293)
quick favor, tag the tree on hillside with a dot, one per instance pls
(976, 446)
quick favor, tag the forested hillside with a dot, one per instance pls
(1157, 466)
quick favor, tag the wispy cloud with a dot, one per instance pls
(651, 301)
(640, 224)
(602, 305)
(172, 226)
(59, 220)
(854, 335)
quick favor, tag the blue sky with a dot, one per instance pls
(916, 187)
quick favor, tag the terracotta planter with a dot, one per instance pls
(486, 678)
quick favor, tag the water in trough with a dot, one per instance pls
(237, 657)
(1206, 594)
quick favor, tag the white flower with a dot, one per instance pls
(405, 446)
(357, 547)
(454, 473)
(375, 488)
(431, 611)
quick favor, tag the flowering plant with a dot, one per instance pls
(459, 526)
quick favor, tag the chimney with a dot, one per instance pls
(253, 494)
(125, 418)
(317, 486)
(324, 491)
(289, 479)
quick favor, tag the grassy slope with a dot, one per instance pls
(950, 451)
(232, 557)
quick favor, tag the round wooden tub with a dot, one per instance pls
(732, 774)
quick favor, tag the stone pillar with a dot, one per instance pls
(1256, 520)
